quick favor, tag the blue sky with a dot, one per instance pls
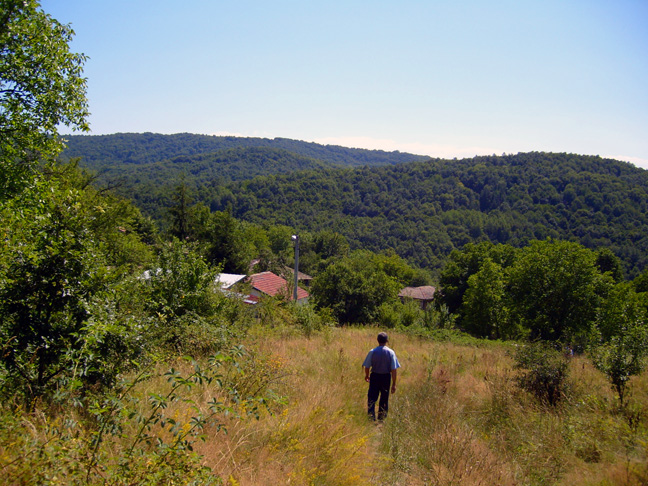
(441, 78)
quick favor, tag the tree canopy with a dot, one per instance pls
(420, 209)
(41, 87)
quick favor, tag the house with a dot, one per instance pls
(269, 284)
(227, 280)
(227, 283)
(424, 295)
(301, 276)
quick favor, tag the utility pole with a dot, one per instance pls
(295, 238)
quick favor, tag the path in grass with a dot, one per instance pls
(456, 418)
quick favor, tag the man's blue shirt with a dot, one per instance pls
(381, 360)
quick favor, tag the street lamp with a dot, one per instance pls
(295, 238)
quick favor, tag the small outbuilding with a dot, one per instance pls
(423, 295)
(301, 276)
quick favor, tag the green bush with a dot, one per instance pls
(388, 315)
(51, 268)
(619, 343)
(143, 431)
(187, 313)
(309, 320)
(543, 372)
(439, 317)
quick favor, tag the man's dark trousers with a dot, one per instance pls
(378, 385)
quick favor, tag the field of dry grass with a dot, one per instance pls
(457, 419)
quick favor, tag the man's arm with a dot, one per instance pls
(366, 373)
(394, 374)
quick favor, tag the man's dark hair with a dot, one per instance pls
(382, 338)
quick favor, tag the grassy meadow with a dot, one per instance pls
(457, 418)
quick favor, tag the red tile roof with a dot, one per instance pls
(271, 284)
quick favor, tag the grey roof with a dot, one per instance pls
(426, 292)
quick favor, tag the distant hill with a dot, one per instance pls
(217, 168)
(100, 152)
(422, 209)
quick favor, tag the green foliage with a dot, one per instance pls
(397, 268)
(41, 88)
(180, 211)
(555, 289)
(244, 154)
(354, 288)
(320, 249)
(114, 221)
(608, 262)
(464, 263)
(388, 315)
(181, 281)
(109, 344)
(65, 249)
(311, 321)
(641, 282)
(227, 243)
(620, 341)
(439, 316)
(484, 304)
(423, 210)
(52, 267)
(281, 247)
(543, 371)
(189, 315)
(397, 314)
(549, 290)
(143, 431)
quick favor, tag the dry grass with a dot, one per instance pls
(456, 419)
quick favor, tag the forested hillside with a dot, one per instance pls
(424, 210)
(101, 152)
(151, 183)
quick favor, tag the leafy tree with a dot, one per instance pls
(620, 343)
(65, 248)
(641, 282)
(114, 221)
(179, 295)
(181, 281)
(41, 87)
(397, 268)
(52, 266)
(466, 262)
(555, 289)
(180, 211)
(354, 288)
(607, 261)
(329, 244)
(281, 246)
(484, 305)
(319, 249)
(227, 244)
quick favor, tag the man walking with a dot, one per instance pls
(383, 364)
